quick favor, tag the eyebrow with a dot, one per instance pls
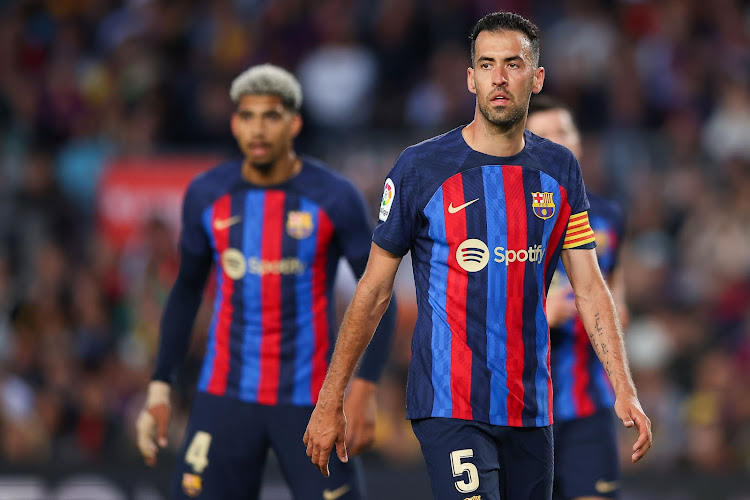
(516, 57)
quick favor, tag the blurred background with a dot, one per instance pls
(109, 107)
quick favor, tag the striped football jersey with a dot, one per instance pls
(485, 235)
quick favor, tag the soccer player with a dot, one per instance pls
(584, 428)
(486, 210)
(274, 225)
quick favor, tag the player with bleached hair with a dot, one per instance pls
(274, 225)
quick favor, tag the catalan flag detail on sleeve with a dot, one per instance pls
(579, 231)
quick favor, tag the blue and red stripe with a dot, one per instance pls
(477, 289)
(442, 404)
(320, 304)
(305, 341)
(251, 285)
(515, 202)
(218, 357)
(582, 355)
(543, 377)
(497, 354)
(270, 347)
(455, 305)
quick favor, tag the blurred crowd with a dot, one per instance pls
(660, 89)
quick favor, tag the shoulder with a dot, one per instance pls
(548, 153)
(439, 146)
(215, 182)
(322, 180)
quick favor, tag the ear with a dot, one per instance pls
(470, 81)
(296, 125)
(538, 80)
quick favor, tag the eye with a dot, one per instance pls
(513, 65)
(485, 65)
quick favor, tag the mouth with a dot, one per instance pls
(499, 100)
(259, 149)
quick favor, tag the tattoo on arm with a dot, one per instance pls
(597, 325)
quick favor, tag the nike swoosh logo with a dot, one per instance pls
(334, 494)
(220, 224)
(453, 210)
(603, 486)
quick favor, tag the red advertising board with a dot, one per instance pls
(134, 189)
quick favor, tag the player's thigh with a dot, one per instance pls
(586, 461)
(224, 450)
(461, 458)
(527, 462)
(286, 427)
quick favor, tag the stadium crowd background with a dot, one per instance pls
(661, 90)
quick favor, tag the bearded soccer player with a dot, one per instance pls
(586, 459)
(486, 210)
(274, 225)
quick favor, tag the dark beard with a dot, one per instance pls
(263, 168)
(504, 122)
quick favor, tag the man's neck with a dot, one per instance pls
(490, 139)
(280, 172)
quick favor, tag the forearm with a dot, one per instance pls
(376, 354)
(597, 310)
(179, 315)
(358, 326)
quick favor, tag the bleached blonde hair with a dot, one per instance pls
(267, 79)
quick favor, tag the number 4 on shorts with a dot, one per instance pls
(197, 453)
(459, 467)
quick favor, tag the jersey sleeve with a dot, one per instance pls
(578, 233)
(193, 237)
(353, 229)
(398, 211)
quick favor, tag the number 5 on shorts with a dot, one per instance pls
(459, 467)
(197, 453)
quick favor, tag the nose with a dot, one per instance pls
(498, 77)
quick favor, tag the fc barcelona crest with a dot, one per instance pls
(191, 485)
(299, 225)
(543, 205)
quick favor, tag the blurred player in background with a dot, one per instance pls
(586, 459)
(486, 211)
(274, 225)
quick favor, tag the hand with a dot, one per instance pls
(153, 421)
(630, 412)
(561, 304)
(360, 407)
(327, 427)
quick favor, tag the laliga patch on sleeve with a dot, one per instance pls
(389, 192)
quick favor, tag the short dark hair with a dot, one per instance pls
(539, 103)
(507, 21)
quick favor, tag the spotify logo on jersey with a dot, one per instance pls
(472, 255)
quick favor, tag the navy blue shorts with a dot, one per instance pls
(469, 460)
(225, 450)
(586, 461)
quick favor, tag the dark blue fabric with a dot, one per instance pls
(242, 433)
(586, 462)
(512, 462)
(177, 321)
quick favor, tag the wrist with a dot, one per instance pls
(158, 393)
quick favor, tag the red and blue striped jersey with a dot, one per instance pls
(275, 252)
(485, 235)
(581, 385)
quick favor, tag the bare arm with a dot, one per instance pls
(597, 311)
(327, 426)
(617, 288)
